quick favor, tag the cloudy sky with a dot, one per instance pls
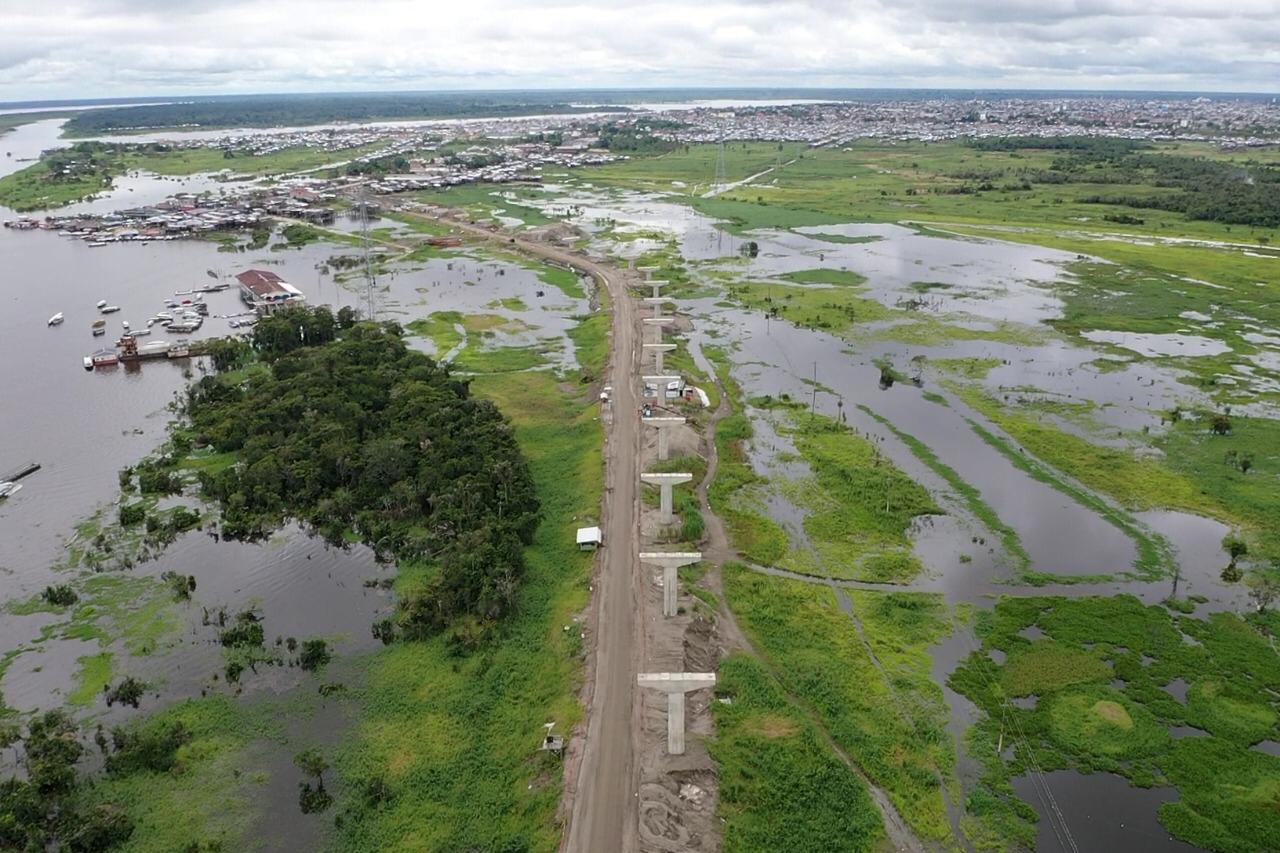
(110, 48)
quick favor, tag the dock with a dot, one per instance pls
(20, 472)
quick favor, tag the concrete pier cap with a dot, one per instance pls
(662, 424)
(675, 685)
(671, 562)
(665, 483)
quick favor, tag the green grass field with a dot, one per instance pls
(888, 715)
(781, 786)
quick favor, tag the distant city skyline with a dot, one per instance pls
(128, 48)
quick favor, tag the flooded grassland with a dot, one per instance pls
(933, 425)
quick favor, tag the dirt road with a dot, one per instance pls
(604, 806)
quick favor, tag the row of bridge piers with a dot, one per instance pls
(675, 684)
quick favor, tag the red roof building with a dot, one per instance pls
(267, 291)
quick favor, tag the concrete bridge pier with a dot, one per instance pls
(658, 350)
(662, 424)
(657, 303)
(665, 484)
(657, 285)
(670, 561)
(676, 685)
(656, 324)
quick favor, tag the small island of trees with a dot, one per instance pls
(353, 433)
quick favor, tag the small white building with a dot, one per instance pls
(590, 538)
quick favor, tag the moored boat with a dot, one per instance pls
(105, 358)
(56, 319)
(8, 489)
(102, 303)
(88, 361)
(109, 309)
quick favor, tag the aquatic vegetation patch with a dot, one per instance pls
(1047, 666)
(831, 308)
(1102, 722)
(1082, 723)
(1213, 463)
(826, 275)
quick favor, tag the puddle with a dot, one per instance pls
(1177, 689)
(1178, 732)
(1270, 747)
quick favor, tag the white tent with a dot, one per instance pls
(589, 538)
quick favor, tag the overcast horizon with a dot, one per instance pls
(130, 49)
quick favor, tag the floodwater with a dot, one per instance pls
(1088, 806)
(84, 426)
(977, 284)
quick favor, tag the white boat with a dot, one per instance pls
(96, 244)
(124, 323)
(7, 489)
(56, 319)
(137, 333)
(88, 362)
(102, 303)
(109, 309)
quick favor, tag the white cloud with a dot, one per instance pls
(131, 47)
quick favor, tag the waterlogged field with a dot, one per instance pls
(1014, 382)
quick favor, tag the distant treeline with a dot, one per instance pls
(301, 110)
(351, 431)
(1220, 191)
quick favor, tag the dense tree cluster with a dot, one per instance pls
(350, 430)
(635, 137)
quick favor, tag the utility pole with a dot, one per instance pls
(813, 405)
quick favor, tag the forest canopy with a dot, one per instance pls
(351, 431)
